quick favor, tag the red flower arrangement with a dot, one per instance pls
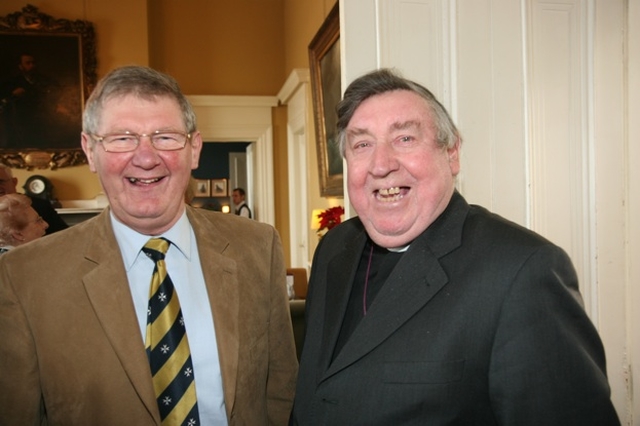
(330, 218)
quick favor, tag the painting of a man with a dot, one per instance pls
(40, 92)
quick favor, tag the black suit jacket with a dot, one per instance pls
(480, 323)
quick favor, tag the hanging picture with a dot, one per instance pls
(202, 188)
(324, 62)
(47, 70)
(219, 188)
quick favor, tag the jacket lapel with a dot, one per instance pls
(417, 277)
(415, 280)
(220, 275)
(108, 290)
(340, 275)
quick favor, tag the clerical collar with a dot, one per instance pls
(399, 249)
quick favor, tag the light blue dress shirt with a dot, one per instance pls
(184, 268)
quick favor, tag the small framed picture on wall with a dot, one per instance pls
(218, 187)
(203, 188)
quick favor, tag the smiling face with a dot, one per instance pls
(399, 179)
(145, 187)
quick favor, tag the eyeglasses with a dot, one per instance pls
(127, 141)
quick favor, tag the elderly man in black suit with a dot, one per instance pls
(425, 310)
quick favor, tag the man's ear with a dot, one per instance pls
(17, 236)
(196, 148)
(87, 147)
(454, 157)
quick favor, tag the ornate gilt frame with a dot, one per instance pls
(30, 21)
(324, 61)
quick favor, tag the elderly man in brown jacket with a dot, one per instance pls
(77, 308)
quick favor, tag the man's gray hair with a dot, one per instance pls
(386, 80)
(139, 81)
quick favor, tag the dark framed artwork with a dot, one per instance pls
(324, 64)
(219, 188)
(202, 188)
(47, 70)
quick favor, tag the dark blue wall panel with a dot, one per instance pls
(214, 159)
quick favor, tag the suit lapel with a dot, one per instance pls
(220, 275)
(108, 290)
(417, 277)
(340, 275)
(414, 281)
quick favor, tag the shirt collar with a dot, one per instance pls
(131, 242)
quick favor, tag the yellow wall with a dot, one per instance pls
(219, 47)
(302, 20)
(281, 178)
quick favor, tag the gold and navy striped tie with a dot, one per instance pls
(167, 345)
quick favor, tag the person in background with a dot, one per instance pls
(153, 311)
(242, 209)
(425, 310)
(44, 208)
(19, 222)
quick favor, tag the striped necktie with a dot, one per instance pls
(167, 345)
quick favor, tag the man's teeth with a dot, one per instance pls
(147, 181)
(390, 191)
(390, 194)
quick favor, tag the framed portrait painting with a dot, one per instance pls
(47, 70)
(324, 64)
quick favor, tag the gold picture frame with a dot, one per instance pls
(324, 64)
(64, 54)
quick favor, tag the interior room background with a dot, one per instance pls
(240, 48)
(546, 94)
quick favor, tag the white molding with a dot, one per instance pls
(561, 141)
(295, 94)
(297, 77)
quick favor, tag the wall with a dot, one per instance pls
(281, 179)
(219, 47)
(302, 20)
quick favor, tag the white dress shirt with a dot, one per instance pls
(184, 268)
